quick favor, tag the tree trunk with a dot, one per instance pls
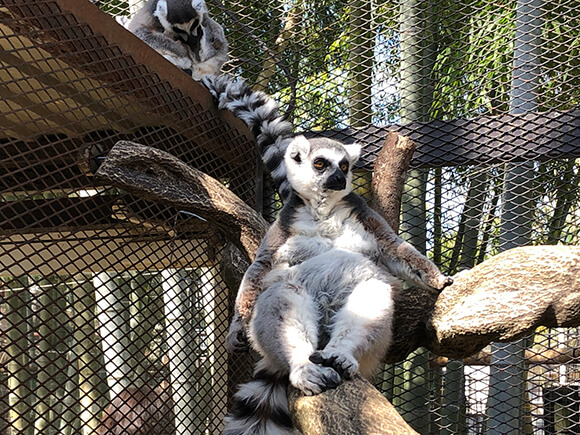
(471, 219)
(20, 380)
(437, 214)
(52, 361)
(93, 389)
(417, 60)
(508, 368)
(453, 400)
(566, 195)
(273, 56)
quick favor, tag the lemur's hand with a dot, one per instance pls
(446, 282)
(430, 277)
(237, 339)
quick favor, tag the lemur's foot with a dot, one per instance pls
(344, 364)
(314, 379)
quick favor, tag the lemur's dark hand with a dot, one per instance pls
(237, 339)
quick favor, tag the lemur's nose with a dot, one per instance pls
(336, 181)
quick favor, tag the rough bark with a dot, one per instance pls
(389, 177)
(158, 176)
(505, 298)
(355, 407)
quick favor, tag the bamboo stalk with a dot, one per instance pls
(19, 382)
(92, 389)
(114, 331)
(182, 352)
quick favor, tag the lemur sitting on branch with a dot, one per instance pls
(317, 302)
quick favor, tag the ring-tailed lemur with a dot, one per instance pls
(323, 280)
(183, 33)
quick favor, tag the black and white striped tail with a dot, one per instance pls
(262, 116)
(260, 407)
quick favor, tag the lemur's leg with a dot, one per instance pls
(361, 330)
(284, 329)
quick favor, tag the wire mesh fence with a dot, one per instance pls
(114, 309)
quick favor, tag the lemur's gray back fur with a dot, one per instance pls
(261, 115)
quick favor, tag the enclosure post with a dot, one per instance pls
(182, 351)
(361, 57)
(508, 370)
(453, 400)
(417, 59)
(113, 317)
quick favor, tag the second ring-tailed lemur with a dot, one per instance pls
(183, 33)
(317, 302)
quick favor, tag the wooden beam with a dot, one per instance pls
(483, 140)
(96, 251)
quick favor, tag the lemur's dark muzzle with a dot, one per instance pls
(336, 181)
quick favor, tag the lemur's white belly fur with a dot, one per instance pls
(325, 256)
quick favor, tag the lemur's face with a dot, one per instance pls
(320, 168)
(183, 21)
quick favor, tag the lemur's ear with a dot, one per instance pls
(353, 151)
(298, 148)
(161, 8)
(199, 5)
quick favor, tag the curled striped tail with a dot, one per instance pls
(261, 114)
(261, 407)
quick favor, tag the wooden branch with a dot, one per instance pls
(388, 181)
(158, 176)
(505, 298)
(355, 407)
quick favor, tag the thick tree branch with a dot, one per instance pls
(355, 407)
(388, 181)
(505, 298)
(158, 176)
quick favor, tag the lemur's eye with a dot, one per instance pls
(344, 167)
(178, 30)
(320, 164)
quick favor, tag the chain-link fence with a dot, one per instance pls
(115, 309)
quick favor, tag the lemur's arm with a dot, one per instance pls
(398, 256)
(251, 287)
(144, 26)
